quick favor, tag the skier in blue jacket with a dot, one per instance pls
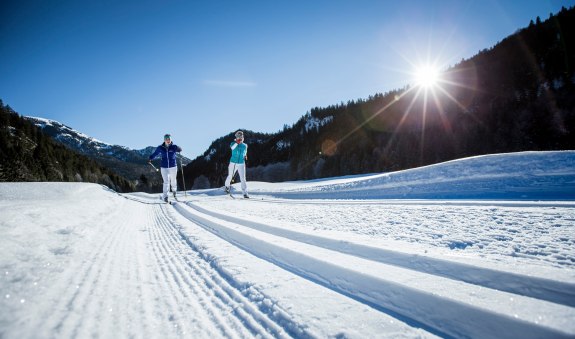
(169, 165)
(238, 162)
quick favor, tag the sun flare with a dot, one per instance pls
(427, 76)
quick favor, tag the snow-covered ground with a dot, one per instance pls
(479, 247)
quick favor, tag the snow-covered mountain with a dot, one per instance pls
(90, 146)
(72, 138)
(125, 161)
(330, 258)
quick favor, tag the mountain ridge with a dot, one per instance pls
(130, 163)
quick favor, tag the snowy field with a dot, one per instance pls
(480, 247)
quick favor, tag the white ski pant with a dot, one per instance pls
(169, 176)
(241, 169)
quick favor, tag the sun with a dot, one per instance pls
(427, 76)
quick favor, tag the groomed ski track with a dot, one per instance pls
(167, 283)
(182, 270)
(419, 292)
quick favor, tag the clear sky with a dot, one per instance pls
(127, 72)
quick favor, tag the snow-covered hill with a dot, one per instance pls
(324, 258)
(523, 175)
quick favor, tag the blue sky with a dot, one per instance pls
(127, 72)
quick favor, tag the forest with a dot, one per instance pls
(27, 154)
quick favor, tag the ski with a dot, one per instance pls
(229, 192)
(165, 201)
(234, 197)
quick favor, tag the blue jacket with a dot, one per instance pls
(239, 152)
(168, 155)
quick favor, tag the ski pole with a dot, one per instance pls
(153, 166)
(183, 181)
(233, 175)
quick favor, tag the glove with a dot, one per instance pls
(246, 158)
(149, 161)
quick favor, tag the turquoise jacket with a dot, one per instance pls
(239, 152)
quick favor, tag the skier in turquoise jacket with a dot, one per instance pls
(238, 162)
